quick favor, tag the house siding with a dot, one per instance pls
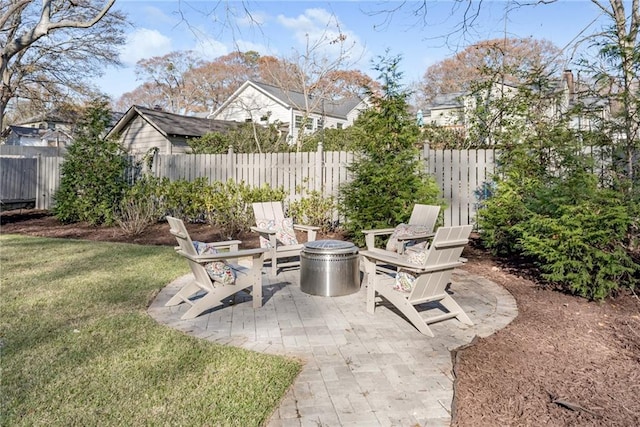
(252, 104)
(139, 136)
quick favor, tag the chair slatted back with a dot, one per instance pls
(179, 231)
(268, 210)
(426, 215)
(443, 256)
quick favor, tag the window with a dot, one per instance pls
(308, 125)
(338, 125)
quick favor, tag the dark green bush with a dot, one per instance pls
(93, 172)
(581, 247)
(549, 205)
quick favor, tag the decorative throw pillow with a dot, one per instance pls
(219, 271)
(285, 235)
(266, 224)
(404, 231)
(405, 280)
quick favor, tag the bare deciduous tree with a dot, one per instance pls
(169, 75)
(514, 59)
(48, 50)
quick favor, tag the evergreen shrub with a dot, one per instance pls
(93, 178)
(388, 177)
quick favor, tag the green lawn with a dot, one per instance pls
(78, 349)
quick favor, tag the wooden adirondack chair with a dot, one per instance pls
(432, 276)
(232, 270)
(277, 234)
(423, 217)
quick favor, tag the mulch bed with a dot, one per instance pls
(563, 361)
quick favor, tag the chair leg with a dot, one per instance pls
(416, 319)
(184, 294)
(452, 306)
(370, 277)
(274, 263)
(256, 292)
(207, 302)
(409, 310)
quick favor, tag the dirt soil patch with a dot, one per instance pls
(563, 361)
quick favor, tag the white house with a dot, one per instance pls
(266, 104)
(453, 110)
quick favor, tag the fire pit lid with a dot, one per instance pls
(329, 246)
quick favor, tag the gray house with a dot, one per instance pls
(141, 129)
(35, 137)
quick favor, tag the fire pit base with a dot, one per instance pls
(329, 268)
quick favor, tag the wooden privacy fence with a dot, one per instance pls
(461, 174)
(464, 176)
(297, 173)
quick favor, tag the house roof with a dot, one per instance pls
(21, 131)
(294, 99)
(55, 115)
(445, 101)
(170, 124)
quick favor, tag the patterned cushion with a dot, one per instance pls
(405, 280)
(404, 231)
(266, 224)
(285, 235)
(219, 271)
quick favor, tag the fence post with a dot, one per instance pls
(231, 173)
(319, 184)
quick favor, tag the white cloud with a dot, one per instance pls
(246, 46)
(210, 48)
(144, 43)
(157, 16)
(319, 28)
(253, 19)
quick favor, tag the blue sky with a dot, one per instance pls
(281, 28)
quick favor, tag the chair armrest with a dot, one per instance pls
(221, 256)
(305, 227)
(400, 263)
(416, 236)
(379, 231)
(232, 245)
(450, 243)
(311, 230)
(262, 230)
(370, 236)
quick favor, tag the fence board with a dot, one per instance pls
(48, 181)
(18, 178)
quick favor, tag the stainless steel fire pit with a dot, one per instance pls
(329, 268)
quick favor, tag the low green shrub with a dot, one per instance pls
(314, 209)
(581, 247)
(228, 205)
(556, 213)
(140, 207)
(185, 199)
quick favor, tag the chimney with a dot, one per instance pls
(567, 75)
